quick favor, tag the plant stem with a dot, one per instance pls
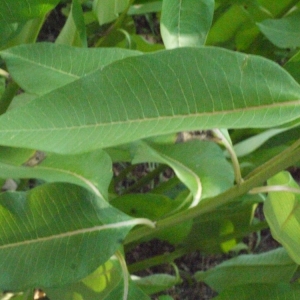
(146, 179)
(280, 162)
(170, 257)
(8, 96)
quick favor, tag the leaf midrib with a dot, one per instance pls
(295, 103)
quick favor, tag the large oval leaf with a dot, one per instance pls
(153, 94)
(55, 234)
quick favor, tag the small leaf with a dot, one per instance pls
(282, 211)
(271, 267)
(186, 22)
(156, 283)
(108, 10)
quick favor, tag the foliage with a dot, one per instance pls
(103, 96)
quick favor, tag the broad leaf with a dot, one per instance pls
(284, 33)
(52, 66)
(60, 233)
(154, 94)
(270, 267)
(282, 211)
(186, 22)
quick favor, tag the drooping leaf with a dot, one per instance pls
(90, 170)
(200, 165)
(59, 233)
(52, 65)
(267, 268)
(155, 94)
(284, 33)
(282, 211)
(73, 33)
(186, 22)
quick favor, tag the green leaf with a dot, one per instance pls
(281, 291)
(15, 13)
(271, 267)
(97, 284)
(52, 66)
(73, 32)
(186, 22)
(200, 165)
(59, 233)
(108, 10)
(222, 229)
(284, 33)
(154, 94)
(101, 284)
(282, 211)
(293, 66)
(150, 206)
(156, 283)
(91, 170)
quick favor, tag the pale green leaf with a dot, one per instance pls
(108, 10)
(156, 283)
(73, 33)
(42, 67)
(271, 267)
(56, 234)
(282, 211)
(186, 22)
(145, 8)
(284, 33)
(154, 94)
